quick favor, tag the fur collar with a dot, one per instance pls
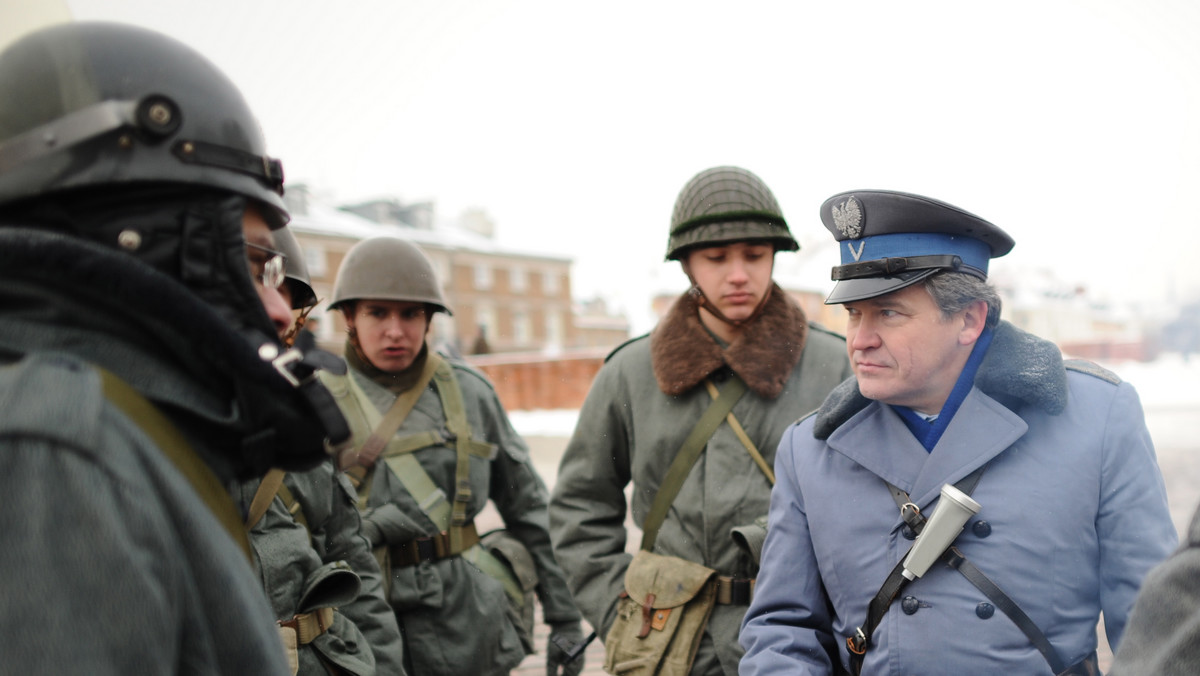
(683, 352)
(1019, 369)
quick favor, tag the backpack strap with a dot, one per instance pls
(167, 437)
(687, 456)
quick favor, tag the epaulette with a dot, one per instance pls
(1092, 369)
(622, 345)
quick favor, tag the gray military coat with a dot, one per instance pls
(644, 402)
(297, 563)
(454, 616)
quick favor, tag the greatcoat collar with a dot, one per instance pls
(684, 353)
(1020, 370)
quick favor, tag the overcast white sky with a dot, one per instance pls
(1071, 124)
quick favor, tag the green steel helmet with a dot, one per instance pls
(98, 105)
(295, 270)
(723, 205)
(387, 268)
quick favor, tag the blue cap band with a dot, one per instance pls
(974, 253)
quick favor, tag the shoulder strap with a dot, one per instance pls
(456, 422)
(955, 559)
(175, 447)
(686, 457)
(264, 496)
(396, 415)
(383, 427)
(744, 438)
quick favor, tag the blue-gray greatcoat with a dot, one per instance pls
(1074, 513)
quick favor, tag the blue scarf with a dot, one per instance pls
(928, 432)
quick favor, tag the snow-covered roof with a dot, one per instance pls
(322, 219)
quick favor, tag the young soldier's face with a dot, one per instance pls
(734, 277)
(390, 333)
(904, 352)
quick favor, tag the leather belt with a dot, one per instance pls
(734, 591)
(308, 626)
(433, 548)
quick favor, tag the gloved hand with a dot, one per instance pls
(563, 637)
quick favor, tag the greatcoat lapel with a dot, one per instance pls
(881, 443)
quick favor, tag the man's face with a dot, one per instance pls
(904, 352)
(256, 232)
(733, 277)
(390, 332)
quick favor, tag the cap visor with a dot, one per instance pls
(850, 290)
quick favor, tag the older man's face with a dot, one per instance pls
(904, 352)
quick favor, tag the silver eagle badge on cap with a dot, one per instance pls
(848, 218)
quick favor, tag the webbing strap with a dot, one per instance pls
(744, 438)
(383, 427)
(687, 456)
(396, 415)
(456, 422)
(175, 447)
(264, 496)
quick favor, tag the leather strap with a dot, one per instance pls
(895, 581)
(686, 457)
(309, 626)
(433, 548)
(734, 591)
(955, 559)
(264, 496)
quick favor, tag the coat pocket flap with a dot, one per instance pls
(672, 580)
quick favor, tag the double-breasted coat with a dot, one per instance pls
(1074, 514)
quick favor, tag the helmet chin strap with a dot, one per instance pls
(702, 300)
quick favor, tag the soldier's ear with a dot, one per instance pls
(974, 317)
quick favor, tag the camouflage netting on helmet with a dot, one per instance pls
(726, 204)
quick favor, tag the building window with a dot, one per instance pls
(554, 329)
(522, 328)
(550, 283)
(483, 276)
(518, 280)
(314, 260)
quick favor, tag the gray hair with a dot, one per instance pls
(954, 291)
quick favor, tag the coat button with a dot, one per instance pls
(910, 605)
(908, 532)
(982, 529)
(985, 610)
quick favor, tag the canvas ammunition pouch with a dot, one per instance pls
(506, 559)
(661, 616)
(663, 612)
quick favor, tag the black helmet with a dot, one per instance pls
(103, 104)
(130, 139)
(726, 204)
